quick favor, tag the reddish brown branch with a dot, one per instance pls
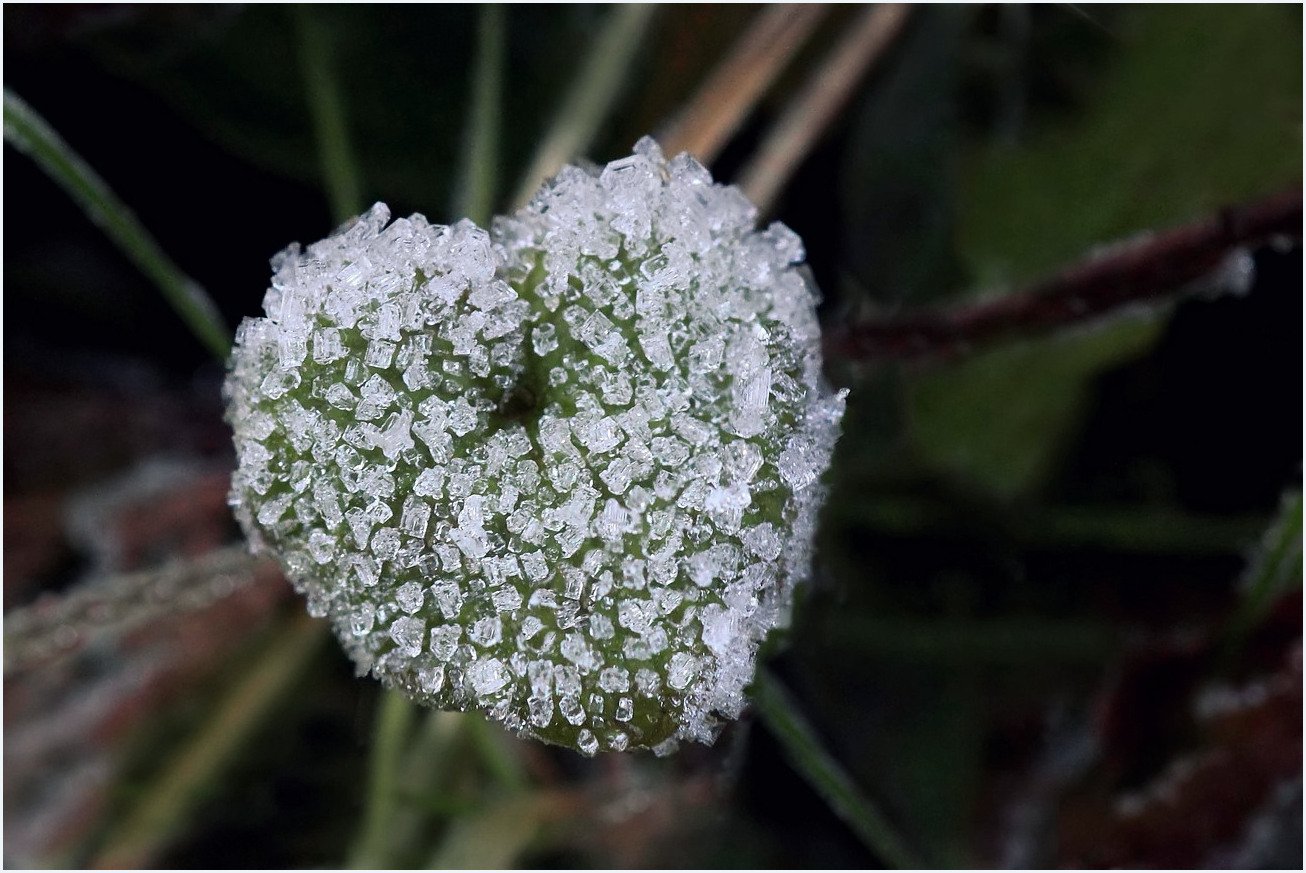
(1154, 267)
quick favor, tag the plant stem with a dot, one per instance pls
(167, 802)
(426, 781)
(592, 95)
(394, 720)
(825, 774)
(339, 168)
(496, 837)
(29, 133)
(1149, 269)
(478, 175)
(490, 744)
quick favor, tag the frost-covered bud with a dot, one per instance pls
(565, 472)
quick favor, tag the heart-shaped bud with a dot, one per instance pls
(565, 472)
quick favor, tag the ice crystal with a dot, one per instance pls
(564, 471)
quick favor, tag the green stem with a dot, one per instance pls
(478, 175)
(592, 95)
(825, 774)
(490, 743)
(339, 168)
(170, 798)
(29, 133)
(394, 720)
(425, 787)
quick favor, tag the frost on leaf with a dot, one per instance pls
(564, 471)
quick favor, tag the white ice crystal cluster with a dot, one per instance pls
(564, 472)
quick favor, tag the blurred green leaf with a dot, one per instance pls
(478, 169)
(590, 97)
(374, 847)
(999, 419)
(171, 798)
(1201, 107)
(340, 174)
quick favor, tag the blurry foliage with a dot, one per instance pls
(971, 598)
(1192, 115)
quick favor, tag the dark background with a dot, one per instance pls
(1030, 557)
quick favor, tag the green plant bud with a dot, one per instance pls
(565, 472)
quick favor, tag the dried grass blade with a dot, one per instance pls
(720, 106)
(819, 102)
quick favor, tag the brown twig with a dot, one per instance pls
(1151, 268)
(715, 112)
(819, 102)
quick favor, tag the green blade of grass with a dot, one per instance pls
(493, 746)
(592, 94)
(28, 132)
(394, 721)
(478, 173)
(165, 804)
(427, 784)
(825, 774)
(340, 173)
(496, 837)
(1275, 567)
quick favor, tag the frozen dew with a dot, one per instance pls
(586, 742)
(614, 679)
(448, 597)
(431, 678)
(486, 632)
(360, 622)
(763, 541)
(681, 670)
(410, 596)
(540, 711)
(487, 676)
(565, 471)
(407, 634)
(571, 708)
(444, 641)
(321, 546)
(385, 544)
